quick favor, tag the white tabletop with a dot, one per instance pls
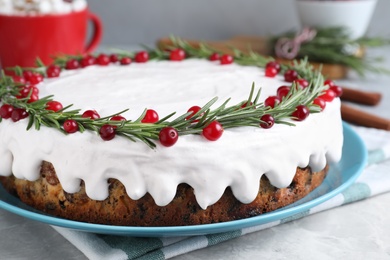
(359, 230)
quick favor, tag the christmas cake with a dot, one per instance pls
(166, 137)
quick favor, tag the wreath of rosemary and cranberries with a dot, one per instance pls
(305, 92)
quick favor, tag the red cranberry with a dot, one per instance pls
(271, 72)
(92, 114)
(328, 96)
(168, 136)
(193, 110)
(290, 75)
(87, 61)
(141, 57)
(114, 58)
(337, 90)
(53, 71)
(54, 106)
(320, 102)
(329, 82)
(6, 111)
(213, 131)
(226, 59)
(18, 114)
(214, 57)
(271, 101)
(103, 59)
(301, 113)
(107, 132)
(267, 121)
(118, 118)
(177, 55)
(125, 61)
(282, 92)
(302, 82)
(72, 64)
(151, 116)
(70, 126)
(273, 64)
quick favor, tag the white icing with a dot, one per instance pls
(238, 159)
(40, 7)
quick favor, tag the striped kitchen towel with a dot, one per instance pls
(374, 180)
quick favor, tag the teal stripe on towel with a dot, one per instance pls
(296, 216)
(133, 247)
(355, 192)
(214, 239)
(155, 255)
(376, 156)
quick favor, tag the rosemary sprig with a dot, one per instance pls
(333, 45)
(229, 116)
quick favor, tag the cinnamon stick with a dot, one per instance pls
(361, 97)
(359, 117)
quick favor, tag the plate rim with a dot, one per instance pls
(167, 231)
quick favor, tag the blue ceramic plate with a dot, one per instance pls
(340, 176)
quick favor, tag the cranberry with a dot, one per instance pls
(18, 114)
(87, 61)
(26, 90)
(177, 55)
(273, 64)
(214, 57)
(302, 82)
(125, 61)
(271, 101)
(290, 75)
(267, 121)
(337, 90)
(70, 126)
(246, 104)
(151, 116)
(27, 75)
(193, 110)
(72, 64)
(213, 131)
(329, 82)
(103, 59)
(114, 58)
(271, 72)
(92, 114)
(282, 92)
(19, 79)
(320, 102)
(141, 57)
(301, 113)
(33, 98)
(107, 132)
(53, 71)
(168, 136)
(54, 106)
(35, 78)
(226, 59)
(328, 96)
(6, 111)
(118, 118)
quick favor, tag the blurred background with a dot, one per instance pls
(132, 22)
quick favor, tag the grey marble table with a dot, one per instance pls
(356, 231)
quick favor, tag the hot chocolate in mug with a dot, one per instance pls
(23, 38)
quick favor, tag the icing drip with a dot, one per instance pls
(238, 159)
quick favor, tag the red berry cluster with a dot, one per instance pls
(301, 111)
(224, 59)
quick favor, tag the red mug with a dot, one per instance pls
(24, 38)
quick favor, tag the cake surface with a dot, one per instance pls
(235, 163)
